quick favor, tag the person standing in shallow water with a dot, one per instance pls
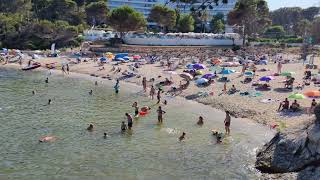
(129, 118)
(117, 87)
(227, 123)
(144, 84)
(160, 114)
(68, 69)
(159, 96)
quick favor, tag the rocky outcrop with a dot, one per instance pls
(294, 150)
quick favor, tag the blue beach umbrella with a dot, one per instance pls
(208, 76)
(201, 81)
(266, 78)
(249, 73)
(228, 71)
(190, 66)
(103, 59)
(199, 66)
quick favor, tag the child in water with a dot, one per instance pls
(200, 121)
(182, 137)
(90, 128)
(123, 126)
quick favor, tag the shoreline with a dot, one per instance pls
(239, 107)
(134, 87)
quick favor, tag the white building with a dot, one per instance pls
(145, 6)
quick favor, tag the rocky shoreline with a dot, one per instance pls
(293, 153)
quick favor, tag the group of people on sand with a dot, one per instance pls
(295, 106)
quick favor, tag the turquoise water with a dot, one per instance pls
(149, 152)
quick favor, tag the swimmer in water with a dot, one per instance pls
(182, 137)
(47, 80)
(165, 102)
(145, 109)
(96, 83)
(33, 92)
(90, 92)
(90, 128)
(200, 121)
(123, 126)
(105, 135)
(218, 135)
(49, 101)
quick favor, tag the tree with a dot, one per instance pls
(275, 31)
(310, 13)
(315, 29)
(97, 13)
(286, 17)
(163, 16)
(302, 28)
(186, 23)
(218, 23)
(252, 15)
(125, 19)
(218, 26)
(15, 6)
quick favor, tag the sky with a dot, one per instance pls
(276, 4)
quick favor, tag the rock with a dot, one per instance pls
(294, 150)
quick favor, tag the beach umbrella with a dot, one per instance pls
(312, 93)
(103, 59)
(199, 72)
(189, 66)
(199, 66)
(186, 76)
(201, 81)
(249, 73)
(227, 71)
(208, 76)
(136, 57)
(288, 74)
(266, 78)
(296, 96)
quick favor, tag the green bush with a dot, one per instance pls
(292, 40)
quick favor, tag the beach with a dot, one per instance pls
(261, 108)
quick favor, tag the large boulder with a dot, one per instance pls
(293, 150)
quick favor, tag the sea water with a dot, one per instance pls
(150, 151)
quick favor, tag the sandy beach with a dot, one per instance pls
(262, 108)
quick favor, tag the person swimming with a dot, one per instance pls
(90, 92)
(90, 128)
(47, 80)
(96, 83)
(165, 102)
(105, 135)
(200, 121)
(182, 137)
(145, 109)
(123, 126)
(33, 92)
(49, 101)
(218, 135)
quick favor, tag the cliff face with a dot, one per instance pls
(294, 150)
